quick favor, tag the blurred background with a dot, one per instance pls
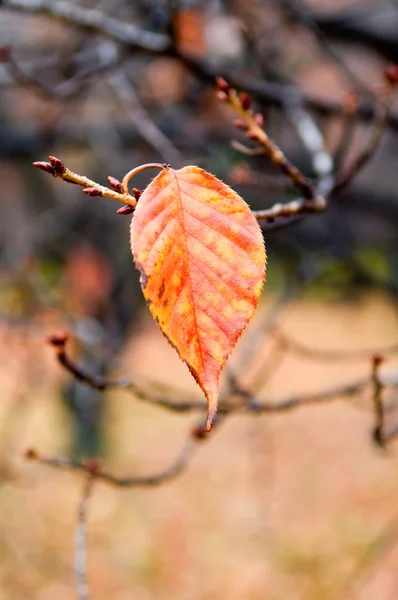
(299, 504)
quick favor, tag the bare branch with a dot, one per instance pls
(94, 20)
(127, 33)
(144, 124)
(377, 400)
(170, 472)
(376, 130)
(253, 125)
(56, 168)
(82, 589)
(331, 355)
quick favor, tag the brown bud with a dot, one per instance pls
(240, 174)
(199, 433)
(223, 85)
(4, 54)
(350, 101)
(137, 193)
(58, 340)
(259, 119)
(93, 465)
(57, 164)
(45, 166)
(91, 191)
(240, 124)
(252, 135)
(245, 100)
(222, 96)
(115, 184)
(391, 74)
(377, 360)
(125, 210)
(31, 454)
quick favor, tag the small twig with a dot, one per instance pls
(170, 472)
(226, 406)
(56, 168)
(330, 355)
(142, 121)
(378, 400)
(156, 397)
(95, 20)
(82, 590)
(312, 139)
(246, 150)
(241, 174)
(350, 104)
(376, 130)
(252, 124)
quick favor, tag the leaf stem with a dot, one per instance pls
(138, 169)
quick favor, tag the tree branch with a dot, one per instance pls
(95, 20)
(82, 589)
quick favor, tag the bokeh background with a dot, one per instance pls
(301, 504)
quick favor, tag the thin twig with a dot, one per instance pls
(330, 355)
(378, 400)
(274, 93)
(144, 124)
(170, 472)
(349, 118)
(227, 404)
(80, 566)
(252, 124)
(95, 20)
(376, 131)
(56, 168)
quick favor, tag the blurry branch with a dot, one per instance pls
(93, 469)
(241, 174)
(127, 33)
(227, 404)
(350, 103)
(299, 12)
(330, 355)
(150, 392)
(108, 56)
(312, 140)
(95, 20)
(144, 124)
(82, 590)
(252, 125)
(357, 27)
(377, 400)
(315, 198)
(376, 130)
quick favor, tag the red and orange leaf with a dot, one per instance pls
(202, 260)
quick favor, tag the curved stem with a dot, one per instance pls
(136, 170)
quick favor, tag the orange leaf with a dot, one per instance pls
(202, 260)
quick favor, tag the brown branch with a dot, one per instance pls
(376, 130)
(156, 397)
(56, 168)
(95, 20)
(97, 473)
(227, 404)
(330, 355)
(82, 590)
(349, 118)
(252, 124)
(127, 33)
(378, 400)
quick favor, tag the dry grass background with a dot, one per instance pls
(299, 505)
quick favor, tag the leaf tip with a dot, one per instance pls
(211, 414)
